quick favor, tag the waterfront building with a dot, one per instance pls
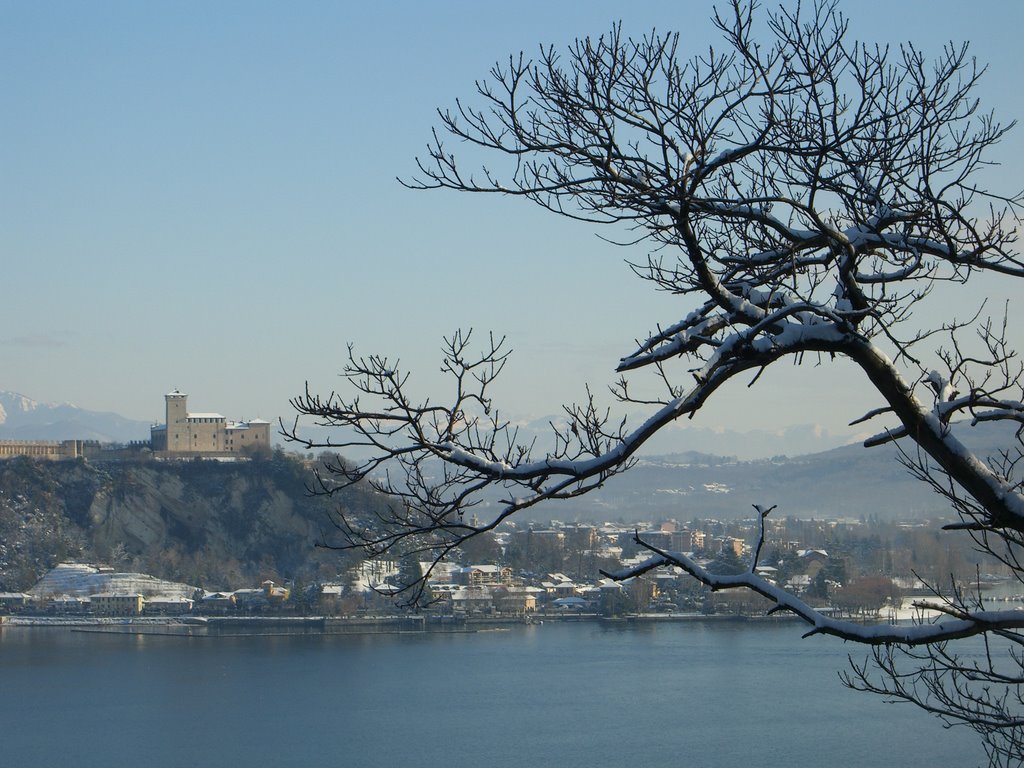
(217, 602)
(12, 602)
(481, 575)
(68, 605)
(472, 600)
(111, 604)
(516, 601)
(167, 605)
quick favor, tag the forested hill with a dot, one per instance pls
(219, 525)
(230, 525)
(851, 482)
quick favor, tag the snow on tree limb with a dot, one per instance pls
(964, 623)
(801, 194)
(810, 203)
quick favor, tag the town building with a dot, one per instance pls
(167, 605)
(481, 575)
(13, 602)
(199, 434)
(42, 449)
(112, 604)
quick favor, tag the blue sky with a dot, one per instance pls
(202, 196)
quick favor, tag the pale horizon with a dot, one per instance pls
(204, 198)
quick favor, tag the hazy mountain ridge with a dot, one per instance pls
(234, 524)
(807, 486)
(850, 481)
(754, 443)
(22, 418)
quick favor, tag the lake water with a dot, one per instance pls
(714, 694)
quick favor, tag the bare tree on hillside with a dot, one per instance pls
(801, 194)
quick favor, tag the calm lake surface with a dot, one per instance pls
(560, 694)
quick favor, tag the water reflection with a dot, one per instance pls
(718, 694)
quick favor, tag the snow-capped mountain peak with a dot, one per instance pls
(22, 418)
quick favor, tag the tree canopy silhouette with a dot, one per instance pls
(802, 194)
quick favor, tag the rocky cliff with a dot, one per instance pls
(221, 525)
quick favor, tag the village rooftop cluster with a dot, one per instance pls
(515, 584)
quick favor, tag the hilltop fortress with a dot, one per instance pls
(183, 435)
(203, 434)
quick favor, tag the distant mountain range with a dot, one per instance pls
(848, 481)
(22, 418)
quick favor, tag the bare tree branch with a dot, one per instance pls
(801, 194)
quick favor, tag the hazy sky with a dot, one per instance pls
(202, 196)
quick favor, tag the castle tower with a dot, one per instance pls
(177, 421)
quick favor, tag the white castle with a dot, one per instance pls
(205, 433)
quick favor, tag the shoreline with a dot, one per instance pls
(253, 626)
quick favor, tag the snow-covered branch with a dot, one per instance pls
(801, 194)
(964, 624)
